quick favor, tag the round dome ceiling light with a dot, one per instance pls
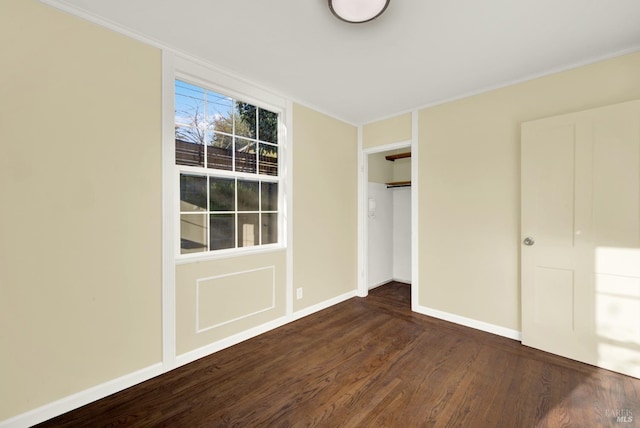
(357, 11)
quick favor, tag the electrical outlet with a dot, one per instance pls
(299, 293)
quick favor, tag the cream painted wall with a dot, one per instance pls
(233, 295)
(80, 224)
(81, 250)
(325, 206)
(380, 170)
(469, 161)
(402, 168)
(387, 131)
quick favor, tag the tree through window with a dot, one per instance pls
(226, 154)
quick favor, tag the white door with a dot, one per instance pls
(580, 258)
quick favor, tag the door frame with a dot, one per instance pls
(363, 218)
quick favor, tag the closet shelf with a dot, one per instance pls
(398, 156)
(393, 184)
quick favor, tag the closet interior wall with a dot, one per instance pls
(389, 220)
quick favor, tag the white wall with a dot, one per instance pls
(389, 243)
(380, 242)
(401, 234)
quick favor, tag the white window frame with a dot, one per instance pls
(192, 71)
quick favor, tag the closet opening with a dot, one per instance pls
(388, 218)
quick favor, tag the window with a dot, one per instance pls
(226, 153)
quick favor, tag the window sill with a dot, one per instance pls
(182, 259)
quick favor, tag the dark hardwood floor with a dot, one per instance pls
(372, 363)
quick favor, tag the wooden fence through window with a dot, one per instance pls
(192, 154)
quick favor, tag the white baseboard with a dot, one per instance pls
(322, 305)
(258, 330)
(97, 392)
(227, 342)
(469, 322)
(81, 398)
(378, 284)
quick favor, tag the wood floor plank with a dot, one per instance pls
(371, 362)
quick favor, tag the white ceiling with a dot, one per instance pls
(418, 53)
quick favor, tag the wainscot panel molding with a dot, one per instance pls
(211, 308)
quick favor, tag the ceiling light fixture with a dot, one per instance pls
(357, 11)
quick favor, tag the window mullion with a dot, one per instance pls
(257, 141)
(204, 131)
(222, 180)
(235, 209)
(233, 139)
(208, 219)
(260, 212)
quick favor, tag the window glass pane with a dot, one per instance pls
(189, 107)
(190, 134)
(222, 194)
(232, 209)
(248, 232)
(245, 120)
(193, 193)
(193, 233)
(269, 197)
(269, 228)
(248, 198)
(219, 112)
(220, 152)
(245, 155)
(268, 159)
(222, 229)
(267, 126)
(189, 146)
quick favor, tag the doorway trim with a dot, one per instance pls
(363, 219)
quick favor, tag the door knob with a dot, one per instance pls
(528, 241)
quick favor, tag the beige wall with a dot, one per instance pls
(380, 170)
(469, 201)
(80, 224)
(80, 254)
(227, 296)
(324, 206)
(402, 168)
(393, 130)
